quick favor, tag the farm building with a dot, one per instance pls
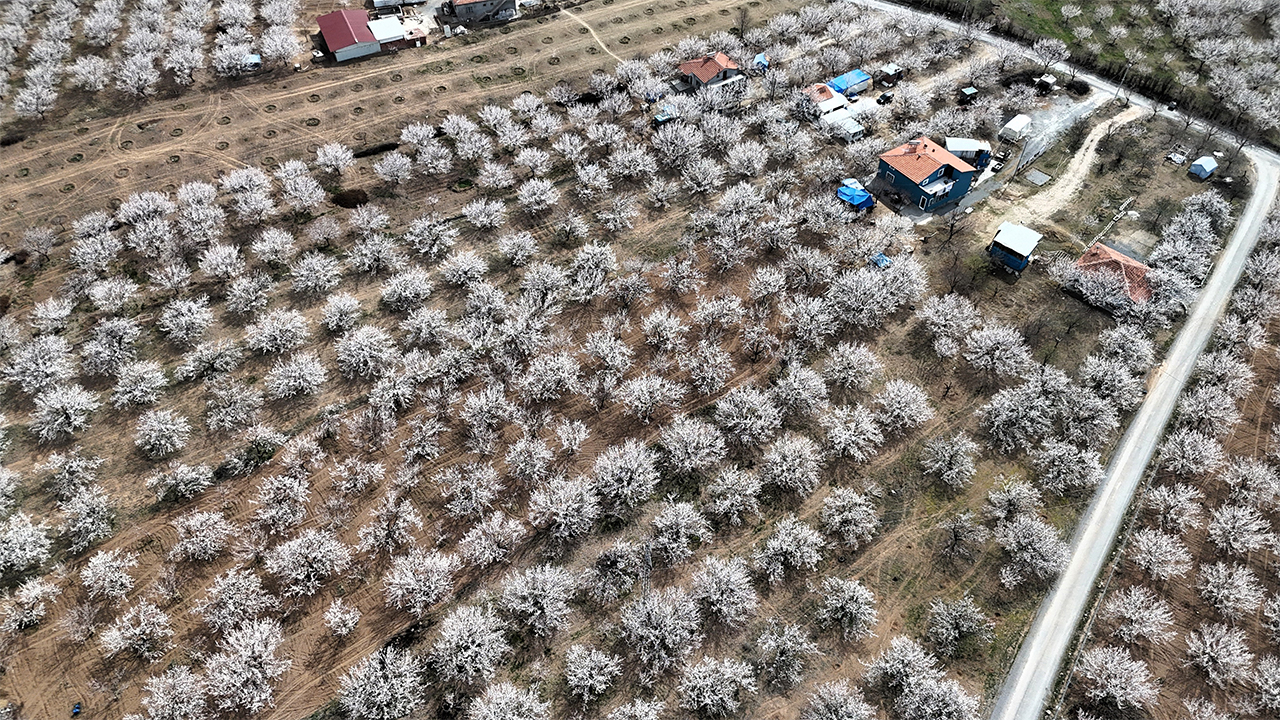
(346, 33)
(473, 11)
(852, 82)
(387, 30)
(975, 152)
(709, 70)
(1013, 244)
(1100, 258)
(891, 74)
(840, 123)
(824, 98)
(926, 173)
(1204, 167)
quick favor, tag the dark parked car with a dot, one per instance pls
(885, 98)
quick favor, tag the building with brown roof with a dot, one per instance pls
(709, 70)
(1100, 258)
(926, 173)
(825, 99)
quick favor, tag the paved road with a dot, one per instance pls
(1035, 671)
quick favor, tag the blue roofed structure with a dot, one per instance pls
(852, 192)
(1204, 167)
(854, 81)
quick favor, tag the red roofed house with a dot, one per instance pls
(1099, 257)
(346, 33)
(926, 172)
(824, 98)
(709, 70)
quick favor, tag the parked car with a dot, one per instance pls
(997, 167)
(885, 98)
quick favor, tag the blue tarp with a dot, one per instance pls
(856, 197)
(761, 61)
(853, 78)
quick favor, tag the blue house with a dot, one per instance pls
(1013, 245)
(926, 173)
(852, 82)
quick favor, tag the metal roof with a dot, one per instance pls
(387, 29)
(345, 28)
(958, 145)
(1208, 162)
(1018, 123)
(1018, 238)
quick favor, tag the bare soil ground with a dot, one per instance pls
(95, 150)
(1167, 661)
(1065, 186)
(124, 150)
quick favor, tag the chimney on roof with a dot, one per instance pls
(913, 146)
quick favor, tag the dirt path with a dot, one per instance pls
(1042, 205)
(600, 42)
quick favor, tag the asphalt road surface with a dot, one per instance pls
(1035, 670)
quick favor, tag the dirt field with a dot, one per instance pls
(89, 154)
(1167, 661)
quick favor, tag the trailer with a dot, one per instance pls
(1015, 129)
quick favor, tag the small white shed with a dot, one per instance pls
(1015, 129)
(841, 123)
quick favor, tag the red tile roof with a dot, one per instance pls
(819, 93)
(918, 159)
(706, 68)
(345, 28)
(1100, 257)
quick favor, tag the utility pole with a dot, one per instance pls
(1120, 85)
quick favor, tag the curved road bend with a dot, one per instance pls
(1035, 670)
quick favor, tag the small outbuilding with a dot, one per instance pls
(824, 98)
(346, 34)
(975, 152)
(852, 192)
(966, 96)
(840, 122)
(851, 83)
(469, 11)
(1204, 167)
(1046, 83)
(891, 74)
(1015, 129)
(1013, 245)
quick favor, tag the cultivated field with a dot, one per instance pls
(573, 414)
(1188, 620)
